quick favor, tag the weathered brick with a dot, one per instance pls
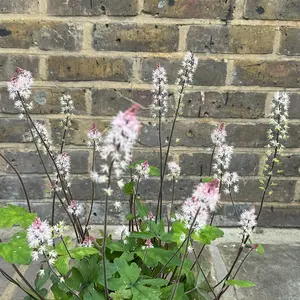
(29, 161)
(199, 163)
(294, 137)
(11, 188)
(8, 64)
(249, 191)
(19, 6)
(233, 39)
(13, 130)
(109, 102)
(224, 105)
(289, 165)
(248, 135)
(89, 8)
(136, 37)
(294, 109)
(78, 132)
(46, 101)
(44, 35)
(72, 68)
(267, 73)
(190, 134)
(272, 9)
(290, 42)
(204, 9)
(209, 72)
(271, 216)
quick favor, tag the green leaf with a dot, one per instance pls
(260, 249)
(92, 294)
(59, 293)
(115, 246)
(16, 251)
(156, 282)
(111, 269)
(121, 294)
(143, 211)
(154, 172)
(141, 292)
(80, 252)
(128, 188)
(240, 283)
(207, 179)
(130, 217)
(61, 249)
(62, 264)
(13, 215)
(41, 280)
(154, 256)
(208, 234)
(167, 291)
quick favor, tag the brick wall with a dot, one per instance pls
(103, 54)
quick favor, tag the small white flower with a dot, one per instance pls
(108, 191)
(117, 205)
(41, 272)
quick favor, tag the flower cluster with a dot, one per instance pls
(42, 134)
(248, 221)
(39, 237)
(117, 145)
(174, 171)
(63, 164)
(59, 229)
(142, 171)
(67, 108)
(94, 137)
(75, 209)
(20, 85)
(159, 106)
(195, 210)
(87, 242)
(148, 244)
(230, 181)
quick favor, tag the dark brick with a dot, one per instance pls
(271, 216)
(247, 135)
(190, 134)
(29, 161)
(13, 130)
(234, 39)
(72, 68)
(19, 6)
(8, 64)
(136, 37)
(199, 163)
(250, 192)
(289, 164)
(294, 137)
(45, 35)
(78, 132)
(204, 9)
(90, 8)
(272, 9)
(224, 105)
(209, 72)
(46, 101)
(11, 188)
(290, 42)
(109, 102)
(267, 73)
(294, 110)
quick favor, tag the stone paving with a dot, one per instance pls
(276, 273)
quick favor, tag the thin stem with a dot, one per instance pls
(105, 232)
(9, 278)
(62, 239)
(211, 160)
(93, 190)
(160, 161)
(170, 259)
(169, 146)
(172, 203)
(27, 282)
(184, 255)
(21, 181)
(134, 204)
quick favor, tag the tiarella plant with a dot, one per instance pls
(154, 254)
